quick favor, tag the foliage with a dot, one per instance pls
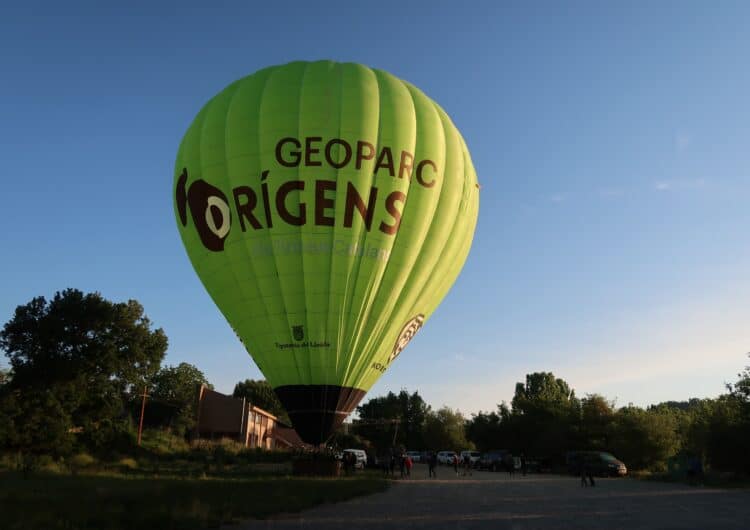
(401, 415)
(75, 359)
(444, 430)
(644, 439)
(177, 388)
(260, 394)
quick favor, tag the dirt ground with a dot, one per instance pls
(495, 501)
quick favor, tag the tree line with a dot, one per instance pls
(79, 365)
(546, 419)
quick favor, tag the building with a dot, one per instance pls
(222, 416)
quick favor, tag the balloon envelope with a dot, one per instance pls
(327, 208)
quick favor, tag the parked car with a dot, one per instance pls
(360, 455)
(473, 455)
(496, 460)
(416, 456)
(446, 457)
(599, 463)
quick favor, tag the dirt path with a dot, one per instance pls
(495, 501)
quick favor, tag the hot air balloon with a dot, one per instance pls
(327, 208)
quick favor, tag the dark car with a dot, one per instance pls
(496, 460)
(599, 463)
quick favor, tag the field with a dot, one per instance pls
(165, 484)
(100, 501)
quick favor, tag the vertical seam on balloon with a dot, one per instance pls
(209, 108)
(362, 236)
(332, 377)
(353, 266)
(225, 178)
(455, 219)
(299, 230)
(269, 236)
(267, 367)
(379, 332)
(462, 251)
(361, 365)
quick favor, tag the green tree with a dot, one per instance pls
(545, 414)
(78, 356)
(260, 394)
(177, 387)
(445, 429)
(645, 439)
(597, 416)
(410, 410)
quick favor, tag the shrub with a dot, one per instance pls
(80, 461)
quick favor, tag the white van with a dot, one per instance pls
(473, 455)
(361, 456)
(446, 457)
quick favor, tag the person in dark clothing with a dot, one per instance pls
(402, 465)
(582, 473)
(432, 463)
(467, 464)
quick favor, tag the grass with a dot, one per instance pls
(113, 502)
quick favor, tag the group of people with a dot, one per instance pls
(397, 459)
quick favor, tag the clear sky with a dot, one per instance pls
(612, 144)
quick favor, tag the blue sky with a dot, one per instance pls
(611, 143)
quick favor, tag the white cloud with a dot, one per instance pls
(682, 141)
(679, 184)
(558, 197)
(611, 192)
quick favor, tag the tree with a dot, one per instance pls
(645, 439)
(79, 355)
(177, 387)
(409, 410)
(597, 415)
(741, 389)
(260, 394)
(543, 391)
(445, 430)
(545, 414)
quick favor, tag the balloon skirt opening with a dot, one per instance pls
(318, 410)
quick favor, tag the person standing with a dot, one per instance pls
(432, 463)
(467, 464)
(408, 463)
(455, 463)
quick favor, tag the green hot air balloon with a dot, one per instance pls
(327, 208)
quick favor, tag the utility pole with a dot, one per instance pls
(143, 409)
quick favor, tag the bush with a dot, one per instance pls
(127, 464)
(80, 461)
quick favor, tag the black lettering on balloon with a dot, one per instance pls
(181, 196)
(245, 210)
(210, 212)
(390, 205)
(281, 195)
